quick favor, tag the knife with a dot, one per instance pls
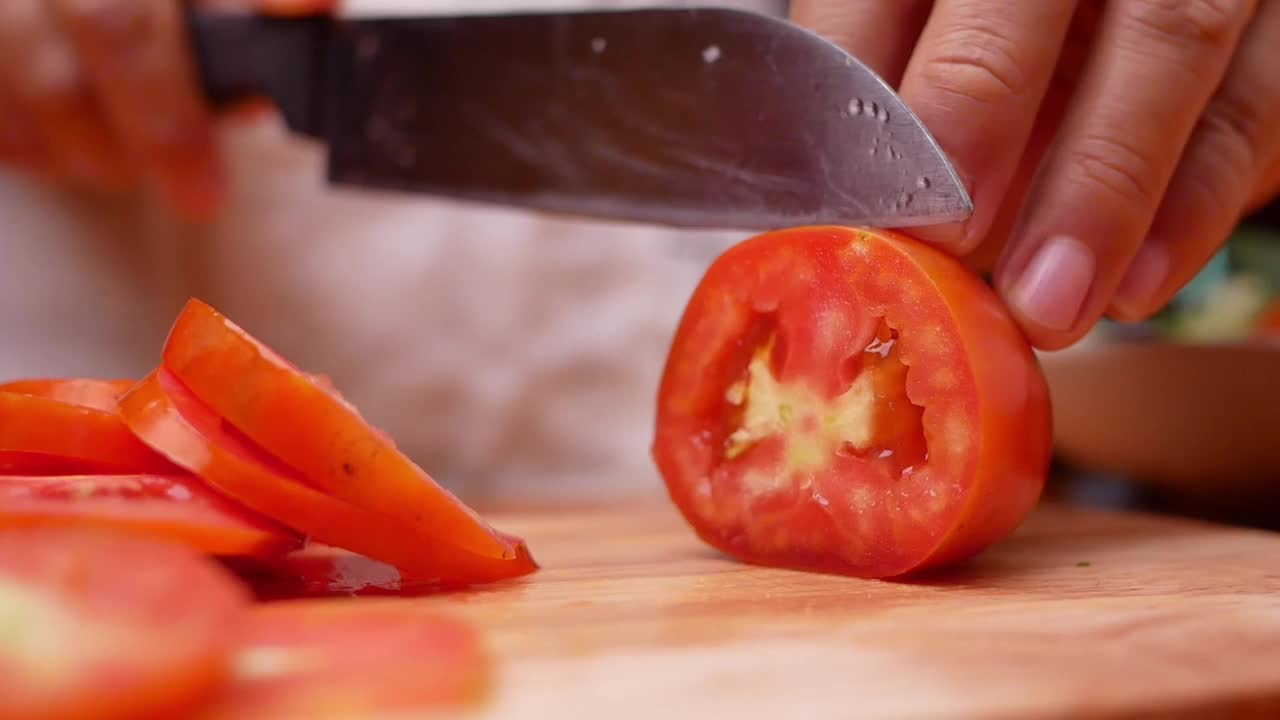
(703, 117)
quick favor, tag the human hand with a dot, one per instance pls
(101, 94)
(1110, 148)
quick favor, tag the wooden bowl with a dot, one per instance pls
(1191, 418)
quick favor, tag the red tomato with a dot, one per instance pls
(298, 419)
(167, 416)
(102, 626)
(172, 507)
(348, 659)
(37, 433)
(851, 401)
(88, 392)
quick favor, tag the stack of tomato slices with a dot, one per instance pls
(127, 508)
(233, 451)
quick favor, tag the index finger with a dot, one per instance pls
(976, 81)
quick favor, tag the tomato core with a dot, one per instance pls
(869, 416)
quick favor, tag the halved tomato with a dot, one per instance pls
(348, 659)
(167, 416)
(178, 508)
(311, 428)
(104, 626)
(88, 392)
(37, 433)
(852, 401)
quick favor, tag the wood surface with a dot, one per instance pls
(1082, 614)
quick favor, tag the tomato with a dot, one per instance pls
(850, 401)
(38, 433)
(346, 659)
(173, 507)
(167, 416)
(88, 392)
(107, 626)
(297, 418)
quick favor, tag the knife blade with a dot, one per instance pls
(703, 117)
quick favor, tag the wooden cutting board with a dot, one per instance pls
(1082, 614)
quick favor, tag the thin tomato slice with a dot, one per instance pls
(167, 416)
(87, 392)
(178, 508)
(309, 427)
(850, 401)
(350, 659)
(103, 626)
(43, 432)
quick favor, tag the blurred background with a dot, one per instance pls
(516, 357)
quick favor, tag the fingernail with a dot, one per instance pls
(1051, 290)
(1142, 280)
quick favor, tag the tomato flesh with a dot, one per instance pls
(86, 392)
(298, 419)
(168, 507)
(106, 626)
(42, 433)
(171, 419)
(345, 659)
(850, 401)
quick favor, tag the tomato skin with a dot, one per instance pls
(294, 417)
(176, 508)
(348, 659)
(173, 421)
(41, 432)
(86, 392)
(111, 626)
(985, 422)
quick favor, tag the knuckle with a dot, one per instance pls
(1237, 120)
(1116, 167)
(1211, 24)
(977, 63)
(52, 77)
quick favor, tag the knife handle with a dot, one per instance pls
(244, 56)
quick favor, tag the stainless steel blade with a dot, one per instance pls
(689, 117)
(685, 117)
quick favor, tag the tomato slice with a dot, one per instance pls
(346, 659)
(851, 401)
(173, 507)
(38, 433)
(309, 427)
(167, 416)
(105, 626)
(87, 392)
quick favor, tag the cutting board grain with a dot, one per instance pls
(1082, 614)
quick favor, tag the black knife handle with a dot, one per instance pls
(244, 56)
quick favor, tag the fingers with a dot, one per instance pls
(881, 34)
(976, 81)
(20, 143)
(50, 95)
(1057, 100)
(1156, 64)
(135, 52)
(1227, 159)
